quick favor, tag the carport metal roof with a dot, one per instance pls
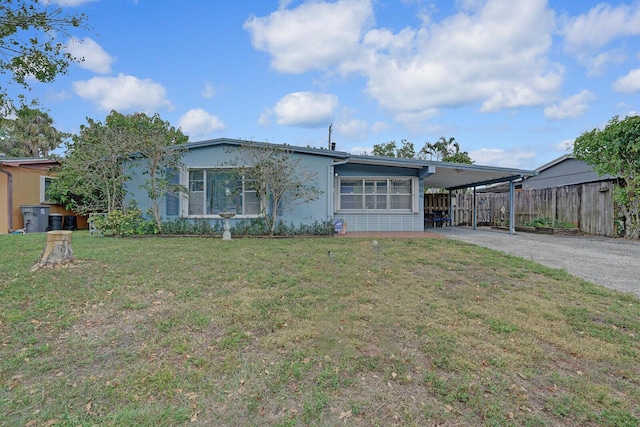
(450, 176)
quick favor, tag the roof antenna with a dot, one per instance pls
(331, 147)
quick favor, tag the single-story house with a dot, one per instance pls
(24, 182)
(369, 193)
(565, 170)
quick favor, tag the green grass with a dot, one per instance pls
(259, 332)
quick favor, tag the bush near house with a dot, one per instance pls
(133, 223)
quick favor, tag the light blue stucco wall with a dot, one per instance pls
(327, 170)
(220, 155)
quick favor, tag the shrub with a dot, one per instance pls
(132, 222)
(129, 223)
(546, 222)
(250, 228)
(186, 227)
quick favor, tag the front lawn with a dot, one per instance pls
(297, 332)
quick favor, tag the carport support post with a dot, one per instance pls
(512, 213)
(475, 209)
(451, 221)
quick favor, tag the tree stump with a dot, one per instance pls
(57, 251)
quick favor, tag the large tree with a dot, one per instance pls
(30, 47)
(30, 134)
(159, 150)
(94, 173)
(280, 180)
(390, 149)
(615, 150)
(445, 150)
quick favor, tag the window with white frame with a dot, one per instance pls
(45, 184)
(377, 194)
(212, 191)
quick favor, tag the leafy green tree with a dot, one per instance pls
(407, 151)
(390, 149)
(385, 149)
(615, 150)
(29, 48)
(281, 182)
(30, 134)
(445, 150)
(159, 150)
(92, 175)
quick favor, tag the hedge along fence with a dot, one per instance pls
(588, 206)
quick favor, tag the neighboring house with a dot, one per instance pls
(25, 182)
(565, 170)
(368, 193)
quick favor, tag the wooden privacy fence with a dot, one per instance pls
(588, 206)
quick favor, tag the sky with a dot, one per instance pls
(513, 81)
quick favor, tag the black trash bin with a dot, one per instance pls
(70, 222)
(55, 222)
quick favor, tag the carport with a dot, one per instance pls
(456, 176)
(443, 175)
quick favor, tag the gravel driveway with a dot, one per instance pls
(614, 263)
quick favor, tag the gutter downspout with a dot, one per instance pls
(9, 198)
(331, 185)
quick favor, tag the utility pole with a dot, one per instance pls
(330, 127)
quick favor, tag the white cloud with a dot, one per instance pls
(495, 56)
(493, 53)
(95, 58)
(314, 35)
(209, 91)
(629, 83)
(600, 25)
(199, 124)
(596, 64)
(571, 107)
(417, 122)
(352, 129)
(361, 150)
(55, 96)
(73, 2)
(305, 109)
(379, 126)
(265, 117)
(586, 34)
(504, 158)
(123, 93)
(565, 146)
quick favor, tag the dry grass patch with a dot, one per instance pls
(309, 332)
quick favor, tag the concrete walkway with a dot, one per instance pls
(614, 263)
